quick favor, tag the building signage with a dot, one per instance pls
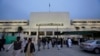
(50, 24)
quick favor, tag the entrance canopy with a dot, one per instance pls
(80, 32)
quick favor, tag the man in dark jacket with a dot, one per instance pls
(17, 46)
(29, 48)
(2, 42)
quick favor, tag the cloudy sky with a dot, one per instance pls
(21, 9)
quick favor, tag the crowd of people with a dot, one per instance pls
(47, 42)
(25, 44)
(21, 44)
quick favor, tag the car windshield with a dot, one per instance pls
(89, 41)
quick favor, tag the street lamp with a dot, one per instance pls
(38, 38)
(57, 32)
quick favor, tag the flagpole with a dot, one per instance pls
(49, 7)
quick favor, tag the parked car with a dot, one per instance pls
(91, 45)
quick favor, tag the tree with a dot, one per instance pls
(4, 32)
(19, 29)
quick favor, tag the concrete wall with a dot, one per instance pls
(49, 17)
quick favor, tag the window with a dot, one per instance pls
(83, 27)
(41, 33)
(74, 22)
(93, 27)
(98, 42)
(79, 22)
(77, 28)
(33, 33)
(98, 21)
(26, 32)
(89, 41)
(91, 21)
(57, 33)
(49, 33)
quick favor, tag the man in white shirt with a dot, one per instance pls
(69, 42)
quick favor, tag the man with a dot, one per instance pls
(2, 42)
(24, 43)
(17, 45)
(69, 42)
(39, 43)
(29, 48)
(58, 44)
(44, 42)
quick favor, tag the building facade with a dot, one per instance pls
(89, 24)
(49, 24)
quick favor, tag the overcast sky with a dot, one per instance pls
(21, 9)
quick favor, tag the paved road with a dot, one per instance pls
(74, 51)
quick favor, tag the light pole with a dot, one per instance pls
(57, 32)
(38, 38)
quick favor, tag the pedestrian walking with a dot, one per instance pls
(24, 43)
(58, 44)
(61, 40)
(44, 42)
(53, 41)
(66, 42)
(29, 48)
(48, 42)
(39, 43)
(3, 42)
(0, 44)
(17, 45)
(69, 42)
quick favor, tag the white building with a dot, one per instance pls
(48, 23)
(89, 24)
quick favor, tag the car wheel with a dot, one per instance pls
(96, 50)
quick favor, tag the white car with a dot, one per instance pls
(91, 45)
